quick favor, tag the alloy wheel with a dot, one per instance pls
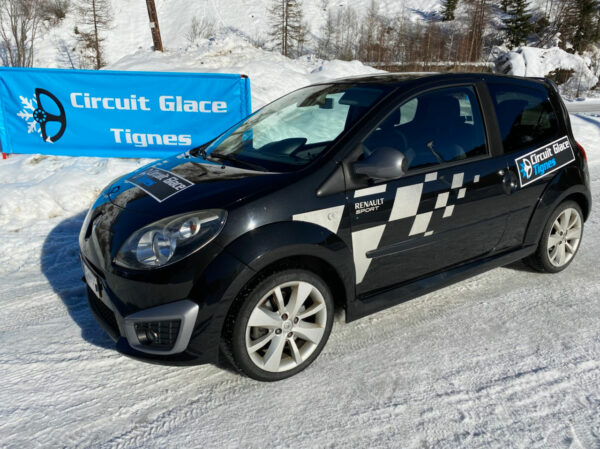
(564, 237)
(286, 326)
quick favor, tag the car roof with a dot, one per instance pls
(398, 79)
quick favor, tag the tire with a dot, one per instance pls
(558, 246)
(271, 335)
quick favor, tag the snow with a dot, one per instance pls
(540, 62)
(130, 28)
(510, 358)
(236, 23)
(271, 74)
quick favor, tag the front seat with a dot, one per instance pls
(438, 126)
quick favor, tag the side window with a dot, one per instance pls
(437, 127)
(525, 116)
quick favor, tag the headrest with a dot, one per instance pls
(508, 112)
(433, 109)
(448, 108)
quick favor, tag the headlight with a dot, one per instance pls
(170, 239)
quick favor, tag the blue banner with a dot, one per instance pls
(107, 113)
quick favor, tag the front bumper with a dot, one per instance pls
(203, 301)
(162, 330)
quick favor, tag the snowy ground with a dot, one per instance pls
(510, 358)
(589, 105)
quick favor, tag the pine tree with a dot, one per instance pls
(586, 25)
(518, 24)
(448, 8)
(288, 28)
(95, 17)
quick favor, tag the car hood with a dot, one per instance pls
(182, 183)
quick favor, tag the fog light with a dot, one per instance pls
(158, 334)
(152, 336)
(145, 335)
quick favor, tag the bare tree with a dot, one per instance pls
(325, 41)
(288, 28)
(54, 11)
(200, 29)
(19, 22)
(368, 33)
(347, 28)
(555, 15)
(95, 17)
(400, 43)
(474, 39)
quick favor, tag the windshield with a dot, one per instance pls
(295, 129)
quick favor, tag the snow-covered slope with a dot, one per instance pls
(130, 29)
(510, 358)
(235, 23)
(271, 74)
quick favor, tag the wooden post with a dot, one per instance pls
(154, 28)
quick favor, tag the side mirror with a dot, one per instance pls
(383, 164)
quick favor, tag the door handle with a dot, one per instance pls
(509, 181)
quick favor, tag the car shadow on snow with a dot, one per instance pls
(520, 265)
(61, 266)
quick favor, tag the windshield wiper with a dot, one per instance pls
(229, 158)
(201, 149)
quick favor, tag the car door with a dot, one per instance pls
(443, 210)
(528, 126)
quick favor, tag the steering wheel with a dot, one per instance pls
(41, 116)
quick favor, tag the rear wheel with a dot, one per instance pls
(560, 239)
(282, 325)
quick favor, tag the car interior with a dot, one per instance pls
(440, 130)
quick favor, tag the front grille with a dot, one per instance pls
(158, 334)
(105, 316)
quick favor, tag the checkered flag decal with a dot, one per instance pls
(407, 204)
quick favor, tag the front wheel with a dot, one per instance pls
(560, 239)
(282, 325)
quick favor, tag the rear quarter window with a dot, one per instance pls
(525, 116)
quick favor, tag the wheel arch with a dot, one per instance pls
(289, 245)
(297, 244)
(583, 202)
(568, 185)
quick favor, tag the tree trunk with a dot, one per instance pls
(96, 40)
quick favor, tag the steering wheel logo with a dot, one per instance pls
(526, 169)
(38, 117)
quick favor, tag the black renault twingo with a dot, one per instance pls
(357, 194)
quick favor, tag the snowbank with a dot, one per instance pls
(34, 188)
(271, 74)
(540, 62)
